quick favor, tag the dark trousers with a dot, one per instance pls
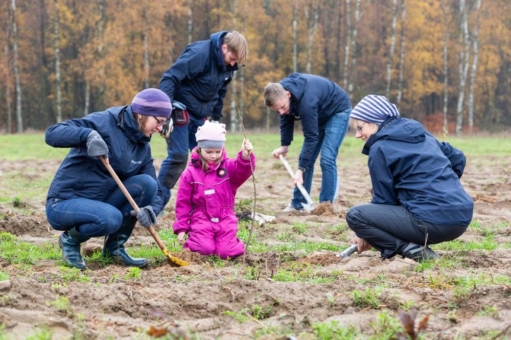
(182, 139)
(390, 228)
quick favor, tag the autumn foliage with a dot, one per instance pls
(417, 52)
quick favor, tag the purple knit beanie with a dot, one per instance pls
(211, 136)
(374, 109)
(152, 102)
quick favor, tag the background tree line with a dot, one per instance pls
(443, 62)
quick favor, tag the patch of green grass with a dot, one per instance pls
(240, 316)
(260, 312)
(134, 273)
(332, 330)
(41, 334)
(73, 275)
(302, 273)
(16, 251)
(61, 304)
(4, 276)
(491, 311)
(367, 298)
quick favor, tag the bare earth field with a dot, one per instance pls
(279, 290)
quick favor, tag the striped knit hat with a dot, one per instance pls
(374, 109)
(152, 102)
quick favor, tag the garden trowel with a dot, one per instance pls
(347, 253)
(306, 206)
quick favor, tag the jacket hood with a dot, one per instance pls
(295, 84)
(127, 122)
(216, 51)
(196, 159)
(397, 129)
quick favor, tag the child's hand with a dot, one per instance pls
(246, 148)
(181, 237)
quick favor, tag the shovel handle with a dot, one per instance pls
(132, 201)
(353, 248)
(299, 185)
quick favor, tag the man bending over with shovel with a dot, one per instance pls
(324, 109)
(84, 200)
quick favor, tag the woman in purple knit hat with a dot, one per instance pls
(84, 200)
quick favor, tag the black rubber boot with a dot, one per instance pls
(114, 245)
(70, 242)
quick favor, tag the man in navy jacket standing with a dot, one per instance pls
(324, 108)
(198, 79)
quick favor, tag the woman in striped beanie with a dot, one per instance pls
(418, 198)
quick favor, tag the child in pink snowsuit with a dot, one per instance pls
(206, 194)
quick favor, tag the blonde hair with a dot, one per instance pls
(204, 161)
(272, 93)
(237, 43)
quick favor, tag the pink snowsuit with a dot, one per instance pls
(205, 205)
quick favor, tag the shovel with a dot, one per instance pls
(173, 259)
(310, 204)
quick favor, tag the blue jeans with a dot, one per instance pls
(93, 218)
(331, 135)
(181, 140)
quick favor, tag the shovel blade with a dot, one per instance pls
(308, 207)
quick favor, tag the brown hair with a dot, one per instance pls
(141, 120)
(272, 93)
(237, 43)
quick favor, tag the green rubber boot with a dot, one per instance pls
(69, 242)
(114, 245)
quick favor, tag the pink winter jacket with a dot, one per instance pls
(205, 205)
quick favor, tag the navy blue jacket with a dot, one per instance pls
(409, 167)
(199, 77)
(313, 100)
(81, 176)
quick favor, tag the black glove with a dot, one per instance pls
(146, 216)
(167, 128)
(96, 146)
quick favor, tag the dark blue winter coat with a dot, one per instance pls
(313, 100)
(199, 77)
(81, 176)
(409, 167)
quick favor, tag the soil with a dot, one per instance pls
(204, 297)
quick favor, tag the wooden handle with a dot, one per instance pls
(120, 184)
(131, 200)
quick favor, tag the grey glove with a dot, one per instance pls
(167, 128)
(96, 146)
(146, 216)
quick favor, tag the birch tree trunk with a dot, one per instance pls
(392, 44)
(190, 21)
(338, 44)
(101, 33)
(19, 118)
(295, 38)
(354, 47)
(348, 44)
(312, 28)
(446, 67)
(473, 73)
(146, 51)
(57, 63)
(7, 73)
(234, 117)
(401, 53)
(463, 66)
